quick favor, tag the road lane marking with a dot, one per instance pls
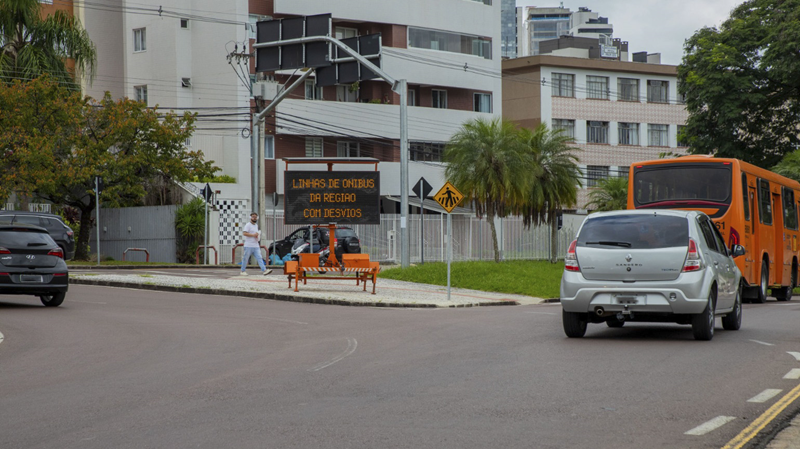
(352, 344)
(796, 355)
(793, 374)
(762, 343)
(756, 426)
(765, 395)
(706, 427)
(1, 337)
(543, 313)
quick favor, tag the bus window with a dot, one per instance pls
(789, 209)
(745, 197)
(764, 202)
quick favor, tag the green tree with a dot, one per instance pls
(32, 45)
(190, 224)
(60, 141)
(740, 84)
(789, 166)
(556, 178)
(488, 164)
(610, 194)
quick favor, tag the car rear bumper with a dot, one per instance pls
(688, 294)
(38, 289)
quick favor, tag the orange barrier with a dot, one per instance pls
(357, 265)
(146, 252)
(197, 254)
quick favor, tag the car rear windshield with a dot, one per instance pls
(635, 232)
(21, 239)
(342, 233)
(679, 185)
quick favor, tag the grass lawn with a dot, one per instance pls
(533, 278)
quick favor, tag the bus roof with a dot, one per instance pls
(744, 166)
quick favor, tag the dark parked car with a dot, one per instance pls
(55, 226)
(346, 241)
(31, 263)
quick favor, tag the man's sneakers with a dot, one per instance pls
(266, 272)
(243, 273)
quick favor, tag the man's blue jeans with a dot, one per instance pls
(255, 252)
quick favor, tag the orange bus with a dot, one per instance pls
(751, 206)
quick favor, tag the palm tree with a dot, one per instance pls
(488, 165)
(610, 194)
(556, 178)
(31, 45)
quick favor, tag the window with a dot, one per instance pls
(46, 2)
(450, 42)
(627, 89)
(140, 93)
(681, 136)
(657, 135)
(482, 102)
(269, 147)
(596, 132)
(426, 151)
(347, 93)
(563, 85)
(764, 202)
(707, 228)
(345, 33)
(567, 127)
(595, 173)
(412, 97)
(597, 87)
(681, 97)
(313, 92)
(628, 133)
(657, 91)
(348, 149)
(745, 198)
(139, 39)
(439, 98)
(313, 147)
(185, 23)
(623, 172)
(789, 209)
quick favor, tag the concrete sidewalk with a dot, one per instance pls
(388, 293)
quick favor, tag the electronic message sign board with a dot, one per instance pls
(342, 197)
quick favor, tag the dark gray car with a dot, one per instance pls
(58, 230)
(653, 266)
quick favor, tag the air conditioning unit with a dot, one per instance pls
(186, 82)
(267, 89)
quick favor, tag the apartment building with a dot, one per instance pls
(447, 50)
(616, 112)
(173, 54)
(536, 24)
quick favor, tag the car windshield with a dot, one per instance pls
(21, 239)
(635, 232)
(342, 233)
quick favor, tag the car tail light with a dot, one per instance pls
(571, 260)
(56, 252)
(59, 274)
(70, 233)
(4, 250)
(692, 262)
(5, 274)
(733, 239)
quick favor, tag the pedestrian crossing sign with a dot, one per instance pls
(448, 197)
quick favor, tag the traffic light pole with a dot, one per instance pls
(398, 86)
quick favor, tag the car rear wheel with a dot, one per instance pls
(703, 323)
(53, 300)
(761, 296)
(574, 324)
(733, 320)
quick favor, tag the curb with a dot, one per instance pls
(274, 296)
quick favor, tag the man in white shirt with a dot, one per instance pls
(252, 236)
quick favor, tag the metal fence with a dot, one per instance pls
(471, 238)
(151, 227)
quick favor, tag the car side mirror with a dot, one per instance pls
(737, 250)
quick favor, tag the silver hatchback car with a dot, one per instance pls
(653, 266)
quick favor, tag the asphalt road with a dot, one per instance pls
(126, 368)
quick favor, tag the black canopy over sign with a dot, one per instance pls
(295, 56)
(344, 197)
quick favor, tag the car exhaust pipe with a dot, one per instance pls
(599, 311)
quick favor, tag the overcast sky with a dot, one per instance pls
(650, 25)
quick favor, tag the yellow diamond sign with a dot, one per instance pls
(448, 197)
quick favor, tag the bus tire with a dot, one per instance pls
(763, 284)
(785, 293)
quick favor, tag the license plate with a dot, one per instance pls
(627, 299)
(32, 278)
